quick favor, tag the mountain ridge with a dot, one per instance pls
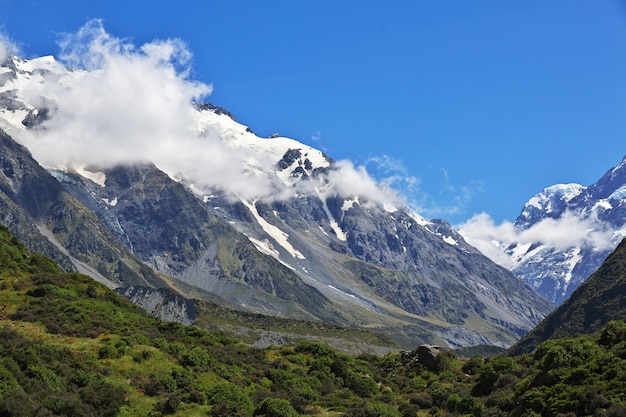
(597, 214)
(283, 230)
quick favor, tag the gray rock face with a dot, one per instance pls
(428, 355)
(376, 258)
(161, 303)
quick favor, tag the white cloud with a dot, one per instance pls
(347, 180)
(7, 47)
(132, 104)
(567, 231)
(126, 103)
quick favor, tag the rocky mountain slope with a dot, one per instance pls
(596, 302)
(554, 269)
(284, 230)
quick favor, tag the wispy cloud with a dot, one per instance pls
(393, 173)
(348, 180)
(449, 199)
(7, 47)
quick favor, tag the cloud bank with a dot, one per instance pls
(567, 231)
(125, 104)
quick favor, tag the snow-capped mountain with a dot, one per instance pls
(595, 216)
(269, 225)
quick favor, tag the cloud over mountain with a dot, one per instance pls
(123, 103)
(564, 232)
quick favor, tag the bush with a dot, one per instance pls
(613, 333)
(490, 373)
(275, 407)
(197, 358)
(229, 397)
(473, 365)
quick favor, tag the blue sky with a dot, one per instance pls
(475, 105)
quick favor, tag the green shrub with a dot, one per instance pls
(229, 397)
(275, 407)
(473, 365)
(490, 373)
(613, 333)
(8, 383)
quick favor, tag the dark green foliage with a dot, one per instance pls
(473, 365)
(229, 399)
(275, 407)
(52, 378)
(490, 373)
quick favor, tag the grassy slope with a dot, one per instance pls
(70, 346)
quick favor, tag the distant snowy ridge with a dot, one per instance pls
(562, 234)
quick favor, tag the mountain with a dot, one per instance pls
(265, 225)
(597, 214)
(48, 219)
(596, 302)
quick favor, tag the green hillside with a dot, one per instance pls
(600, 299)
(71, 347)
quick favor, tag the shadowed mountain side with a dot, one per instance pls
(600, 299)
(47, 218)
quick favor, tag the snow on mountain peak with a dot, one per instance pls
(619, 194)
(135, 107)
(562, 192)
(562, 234)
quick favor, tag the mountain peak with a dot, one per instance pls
(596, 214)
(610, 182)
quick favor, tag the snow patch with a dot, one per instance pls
(111, 203)
(338, 232)
(574, 259)
(450, 240)
(342, 292)
(14, 117)
(418, 219)
(390, 208)
(603, 204)
(97, 177)
(275, 233)
(264, 246)
(347, 204)
(619, 194)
